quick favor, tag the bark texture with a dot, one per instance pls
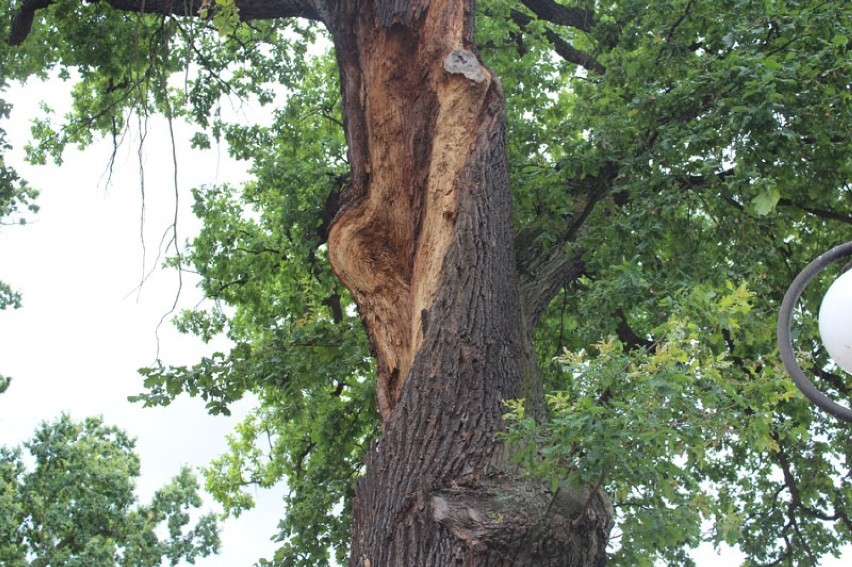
(424, 242)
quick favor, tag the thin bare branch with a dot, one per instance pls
(174, 226)
(143, 132)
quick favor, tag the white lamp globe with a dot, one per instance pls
(835, 321)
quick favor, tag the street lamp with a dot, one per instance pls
(835, 326)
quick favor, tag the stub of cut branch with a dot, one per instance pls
(465, 63)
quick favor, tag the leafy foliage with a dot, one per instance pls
(15, 195)
(660, 426)
(693, 154)
(710, 122)
(298, 344)
(75, 505)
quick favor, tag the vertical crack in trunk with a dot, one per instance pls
(417, 96)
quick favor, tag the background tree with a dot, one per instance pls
(671, 167)
(75, 504)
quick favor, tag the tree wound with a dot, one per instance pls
(388, 245)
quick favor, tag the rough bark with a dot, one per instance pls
(560, 46)
(424, 242)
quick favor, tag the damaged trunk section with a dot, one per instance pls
(414, 99)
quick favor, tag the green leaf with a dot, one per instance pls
(765, 201)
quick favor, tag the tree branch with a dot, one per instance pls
(573, 55)
(562, 47)
(834, 380)
(701, 181)
(248, 9)
(821, 213)
(23, 20)
(562, 15)
(793, 487)
(679, 21)
(627, 335)
(543, 271)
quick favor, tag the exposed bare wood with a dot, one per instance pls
(420, 106)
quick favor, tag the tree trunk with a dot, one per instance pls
(424, 242)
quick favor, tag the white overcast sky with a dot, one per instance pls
(84, 329)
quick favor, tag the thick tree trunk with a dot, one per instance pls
(424, 242)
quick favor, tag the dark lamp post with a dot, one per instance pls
(835, 326)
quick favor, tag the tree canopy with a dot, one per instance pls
(67, 497)
(673, 165)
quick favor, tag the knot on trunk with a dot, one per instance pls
(463, 62)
